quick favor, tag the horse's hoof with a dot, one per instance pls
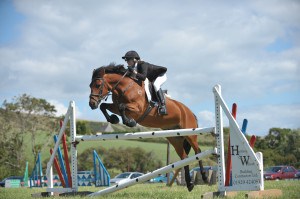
(190, 187)
(204, 178)
(131, 123)
(114, 119)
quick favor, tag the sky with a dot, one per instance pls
(48, 49)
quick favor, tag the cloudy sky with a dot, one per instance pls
(48, 49)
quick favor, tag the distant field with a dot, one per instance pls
(290, 190)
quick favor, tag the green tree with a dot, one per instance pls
(83, 128)
(10, 144)
(281, 146)
(31, 114)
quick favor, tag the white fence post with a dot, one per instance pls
(219, 140)
(73, 147)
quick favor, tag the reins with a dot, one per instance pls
(115, 86)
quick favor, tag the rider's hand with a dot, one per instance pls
(130, 68)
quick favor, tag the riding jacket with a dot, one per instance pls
(150, 71)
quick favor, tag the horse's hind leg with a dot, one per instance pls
(181, 148)
(194, 144)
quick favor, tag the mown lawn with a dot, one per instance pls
(290, 189)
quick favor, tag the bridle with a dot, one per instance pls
(100, 95)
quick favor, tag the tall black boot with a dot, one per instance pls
(162, 108)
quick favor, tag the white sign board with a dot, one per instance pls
(246, 166)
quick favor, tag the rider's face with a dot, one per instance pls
(130, 62)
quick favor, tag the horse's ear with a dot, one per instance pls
(102, 72)
(120, 67)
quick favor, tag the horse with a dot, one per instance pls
(130, 102)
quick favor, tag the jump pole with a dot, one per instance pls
(228, 168)
(147, 134)
(58, 170)
(62, 164)
(66, 155)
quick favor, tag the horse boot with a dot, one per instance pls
(162, 110)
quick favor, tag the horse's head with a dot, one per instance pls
(102, 80)
(98, 89)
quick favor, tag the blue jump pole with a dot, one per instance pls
(102, 177)
(244, 126)
(61, 162)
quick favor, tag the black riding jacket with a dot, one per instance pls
(150, 71)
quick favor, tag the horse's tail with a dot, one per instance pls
(196, 120)
(186, 144)
(187, 147)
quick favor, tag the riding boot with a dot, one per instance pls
(161, 98)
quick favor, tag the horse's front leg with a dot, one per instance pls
(126, 120)
(111, 107)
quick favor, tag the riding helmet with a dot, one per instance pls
(131, 54)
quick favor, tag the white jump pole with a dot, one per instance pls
(220, 142)
(148, 176)
(142, 135)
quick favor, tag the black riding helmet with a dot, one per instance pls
(131, 55)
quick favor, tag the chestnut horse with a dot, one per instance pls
(131, 103)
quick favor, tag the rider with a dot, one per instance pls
(155, 74)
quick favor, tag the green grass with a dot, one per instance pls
(290, 189)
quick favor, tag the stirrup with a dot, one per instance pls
(162, 110)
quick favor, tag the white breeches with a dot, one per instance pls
(147, 89)
(159, 81)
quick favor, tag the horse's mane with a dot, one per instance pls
(112, 68)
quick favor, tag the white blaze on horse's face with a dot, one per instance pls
(96, 86)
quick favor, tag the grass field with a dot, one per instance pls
(290, 189)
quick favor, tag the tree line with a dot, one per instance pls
(27, 117)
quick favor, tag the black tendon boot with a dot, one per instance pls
(161, 98)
